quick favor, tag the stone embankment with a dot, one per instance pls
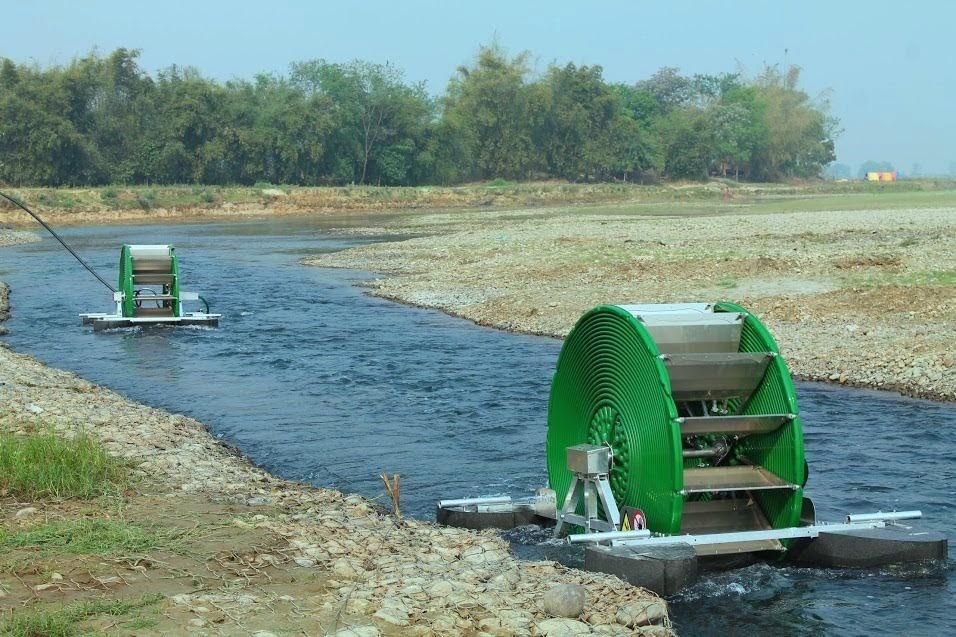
(864, 297)
(378, 574)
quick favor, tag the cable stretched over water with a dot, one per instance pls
(86, 265)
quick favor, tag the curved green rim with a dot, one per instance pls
(609, 364)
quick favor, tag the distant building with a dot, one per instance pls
(881, 175)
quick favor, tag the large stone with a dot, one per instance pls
(639, 614)
(565, 600)
(395, 616)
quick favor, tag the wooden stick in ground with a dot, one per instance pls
(393, 489)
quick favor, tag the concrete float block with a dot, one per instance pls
(869, 548)
(481, 520)
(663, 569)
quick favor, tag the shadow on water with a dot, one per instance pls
(316, 381)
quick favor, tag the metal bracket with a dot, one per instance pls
(591, 465)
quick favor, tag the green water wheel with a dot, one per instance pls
(698, 408)
(149, 281)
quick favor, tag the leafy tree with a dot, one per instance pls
(489, 105)
(376, 114)
(739, 130)
(800, 135)
(668, 88)
(577, 113)
(102, 119)
(687, 142)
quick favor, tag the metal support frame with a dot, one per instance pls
(641, 538)
(591, 466)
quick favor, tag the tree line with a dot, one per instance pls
(104, 120)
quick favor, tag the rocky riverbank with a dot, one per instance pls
(858, 297)
(266, 556)
(13, 237)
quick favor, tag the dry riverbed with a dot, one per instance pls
(859, 297)
(228, 549)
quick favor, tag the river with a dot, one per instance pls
(316, 381)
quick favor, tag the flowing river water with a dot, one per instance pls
(316, 381)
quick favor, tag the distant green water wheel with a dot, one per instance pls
(613, 387)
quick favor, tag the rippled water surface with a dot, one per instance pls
(316, 381)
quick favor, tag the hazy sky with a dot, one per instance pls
(890, 65)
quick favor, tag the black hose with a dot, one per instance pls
(86, 265)
(205, 302)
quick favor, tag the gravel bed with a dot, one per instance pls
(864, 298)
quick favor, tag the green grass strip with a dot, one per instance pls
(44, 465)
(64, 622)
(89, 537)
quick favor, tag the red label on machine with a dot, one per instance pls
(633, 519)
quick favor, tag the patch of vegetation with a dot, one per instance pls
(89, 537)
(146, 198)
(727, 284)
(500, 183)
(64, 622)
(44, 465)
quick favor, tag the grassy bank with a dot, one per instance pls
(172, 203)
(85, 549)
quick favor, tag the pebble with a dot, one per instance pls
(25, 512)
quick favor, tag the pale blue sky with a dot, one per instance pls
(891, 65)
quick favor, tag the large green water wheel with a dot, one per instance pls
(698, 408)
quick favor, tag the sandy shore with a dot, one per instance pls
(859, 297)
(288, 556)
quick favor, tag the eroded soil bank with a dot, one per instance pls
(858, 297)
